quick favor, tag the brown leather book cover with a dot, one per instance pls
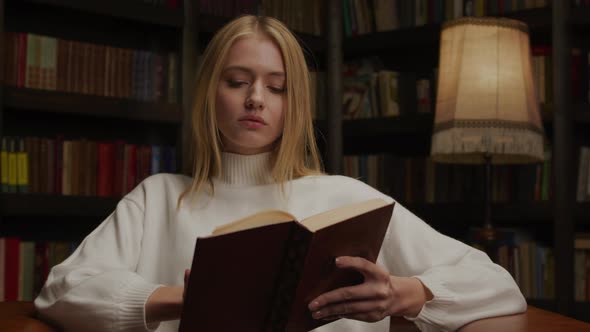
(263, 278)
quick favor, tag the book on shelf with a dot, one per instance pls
(79, 167)
(271, 266)
(48, 63)
(25, 265)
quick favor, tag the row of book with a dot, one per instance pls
(228, 8)
(582, 267)
(172, 4)
(420, 180)
(42, 62)
(305, 16)
(370, 91)
(531, 264)
(24, 265)
(543, 74)
(301, 16)
(583, 185)
(79, 166)
(362, 17)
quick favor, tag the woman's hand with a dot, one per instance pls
(379, 296)
(166, 302)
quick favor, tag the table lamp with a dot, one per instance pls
(487, 110)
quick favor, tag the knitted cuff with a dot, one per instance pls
(434, 311)
(131, 308)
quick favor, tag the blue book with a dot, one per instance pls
(156, 159)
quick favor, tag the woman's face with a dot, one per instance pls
(250, 96)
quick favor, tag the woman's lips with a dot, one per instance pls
(252, 122)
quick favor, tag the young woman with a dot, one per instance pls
(255, 150)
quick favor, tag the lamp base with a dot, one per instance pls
(487, 239)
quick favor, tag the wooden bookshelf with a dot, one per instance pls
(208, 24)
(135, 11)
(427, 36)
(417, 123)
(503, 213)
(23, 99)
(47, 205)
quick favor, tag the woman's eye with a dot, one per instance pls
(277, 89)
(235, 83)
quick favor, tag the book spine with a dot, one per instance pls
(12, 166)
(294, 256)
(4, 165)
(22, 161)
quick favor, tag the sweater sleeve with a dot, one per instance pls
(465, 283)
(96, 288)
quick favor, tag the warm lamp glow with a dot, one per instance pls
(486, 103)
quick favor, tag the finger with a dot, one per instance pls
(365, 317)
(360, 292)
(351, 309)
(365, 267)
(187, 273)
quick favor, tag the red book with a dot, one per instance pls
(22, 59)
(131, 156)
(119, 181)
(41, 266)
(106, 163)
(11, 268)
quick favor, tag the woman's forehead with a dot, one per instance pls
(255, 52)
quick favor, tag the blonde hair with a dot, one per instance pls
(295, 154)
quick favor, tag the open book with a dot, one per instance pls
(260, 273)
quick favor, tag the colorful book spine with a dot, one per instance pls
(4, 165)
(22, 165)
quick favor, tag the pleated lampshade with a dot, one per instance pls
(486, 103)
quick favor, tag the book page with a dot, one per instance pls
(337, 215)
(263, 218)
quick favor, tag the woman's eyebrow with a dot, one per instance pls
(251, 72)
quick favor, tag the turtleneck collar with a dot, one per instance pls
(237, 169)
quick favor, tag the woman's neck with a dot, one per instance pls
(237, 169)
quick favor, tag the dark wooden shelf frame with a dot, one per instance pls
(48, 205)
(135, 11)
(23, 99)
(514, 213)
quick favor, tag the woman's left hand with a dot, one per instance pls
(379, 296)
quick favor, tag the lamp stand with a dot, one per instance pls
(488, 235)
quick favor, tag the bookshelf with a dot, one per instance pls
(565, 120)
(90, 114)
(38, 205)
(57, 102)
(135, 11)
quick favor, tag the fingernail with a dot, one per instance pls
(314, 305)
(317, 315)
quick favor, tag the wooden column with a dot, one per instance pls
(334, 89)
(563, 154)
(190, 49)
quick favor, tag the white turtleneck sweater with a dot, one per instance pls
(146, 242)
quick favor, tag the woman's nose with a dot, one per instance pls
(255, 100)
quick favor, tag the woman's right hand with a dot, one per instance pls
(165, 303)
